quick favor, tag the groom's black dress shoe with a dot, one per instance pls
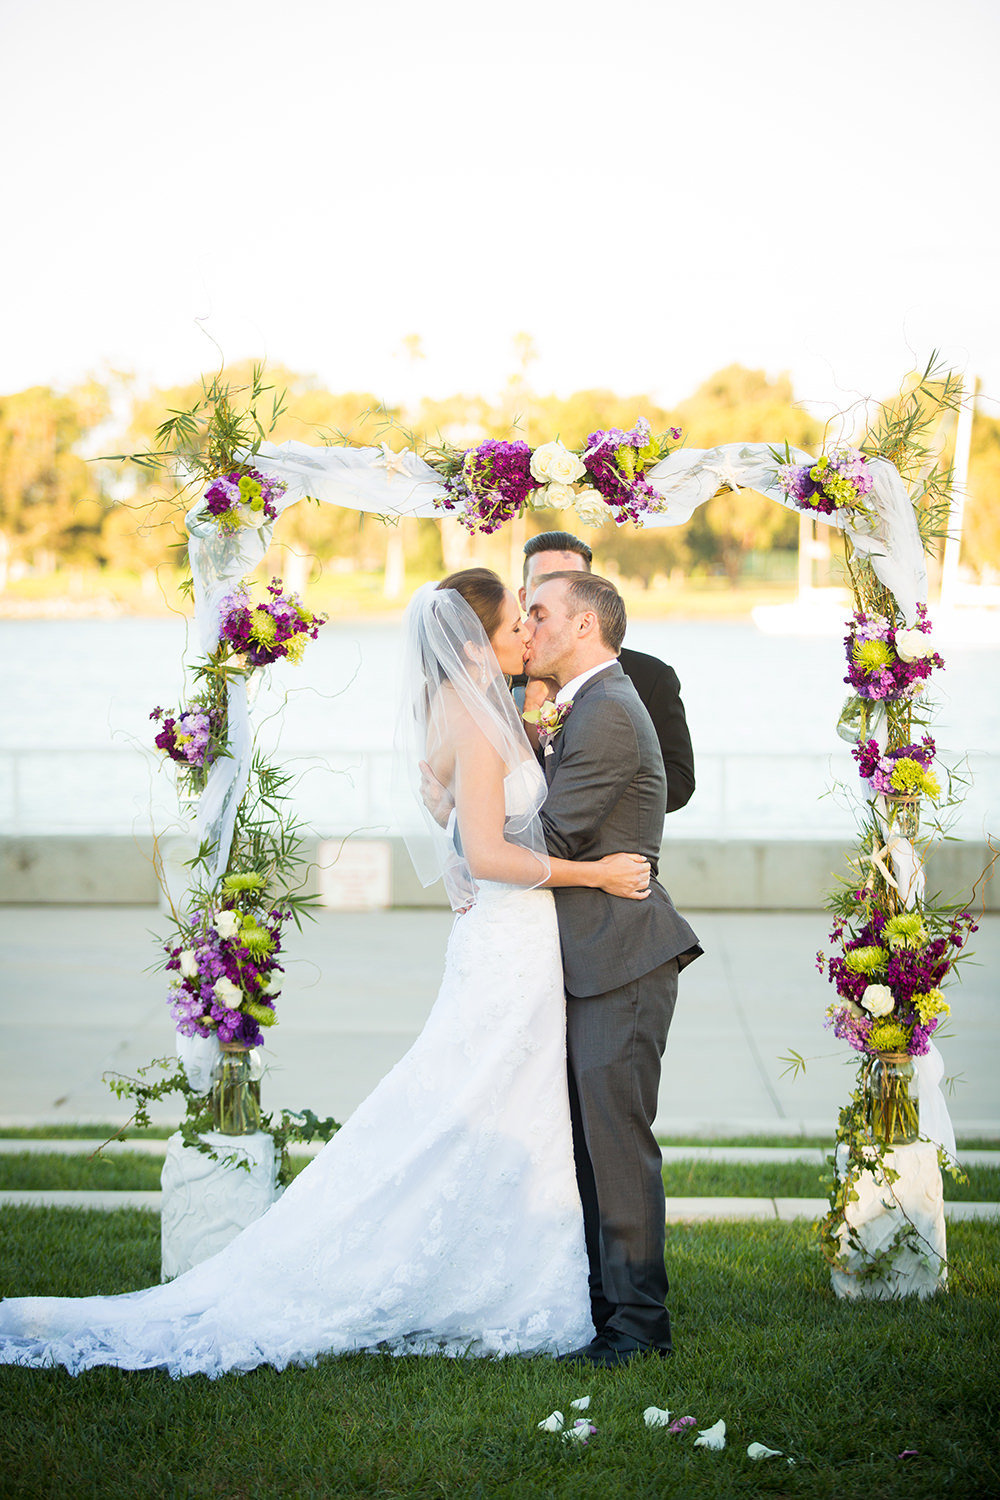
(610, 1348)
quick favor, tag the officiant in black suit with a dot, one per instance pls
(656, 684)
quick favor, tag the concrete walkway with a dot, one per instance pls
(77, 1000)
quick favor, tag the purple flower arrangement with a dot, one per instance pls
(226, 971)
(617, 461)
(491, 486)
(190, 736)
(884, 662)
(264, 633)
(837, 480)
(888, 978)
(902, 772)
(243, 498)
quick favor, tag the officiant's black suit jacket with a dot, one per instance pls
(660, 694)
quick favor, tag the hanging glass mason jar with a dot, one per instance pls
(904, 815)
(891, 1109)
(236, 1089)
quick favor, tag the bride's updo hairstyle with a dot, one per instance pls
(483, 592)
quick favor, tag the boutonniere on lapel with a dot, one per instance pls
(550, 718)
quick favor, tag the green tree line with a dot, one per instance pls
(63, 507)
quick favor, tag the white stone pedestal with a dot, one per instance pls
(205, 1204)
(917, 1269)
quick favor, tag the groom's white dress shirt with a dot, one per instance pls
(566, 694)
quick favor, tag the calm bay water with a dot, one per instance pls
(75, 731)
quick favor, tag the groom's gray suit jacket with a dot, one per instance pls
(608, 793)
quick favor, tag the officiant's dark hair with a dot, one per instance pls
(556, 541)
(591, 591)
(483, 592)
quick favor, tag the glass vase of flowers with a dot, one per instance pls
(890, 1105)
(236, 1089)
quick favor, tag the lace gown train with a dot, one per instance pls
(443, 1218)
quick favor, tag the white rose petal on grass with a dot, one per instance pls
(553, 461)
(555, 1422)
(760, 1450)
(655, 1416)
(581, 1403)
(877, 1000)
(712, 1437)
(580, 1431)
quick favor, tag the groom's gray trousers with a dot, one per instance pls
(607, 793)
(614, 1046)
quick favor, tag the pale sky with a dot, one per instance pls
(651, 190)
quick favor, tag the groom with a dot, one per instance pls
(607, 792)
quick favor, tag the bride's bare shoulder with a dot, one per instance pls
(453, 724)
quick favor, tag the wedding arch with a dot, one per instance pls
(893, 950)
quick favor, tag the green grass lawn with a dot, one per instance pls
(684, 1179)
(843, 1388)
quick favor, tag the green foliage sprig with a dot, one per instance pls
(293, 1127)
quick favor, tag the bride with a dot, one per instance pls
(444, 1217)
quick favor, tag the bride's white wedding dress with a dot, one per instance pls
(443, 1217)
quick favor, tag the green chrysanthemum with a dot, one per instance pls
(262, 627)
(295, 646)
(262, 1014)
(249, 882)
(909, 776)
(888, 1036)
(871, 655)
(256, 940)
(865, 960)
(840, 489)
(905, 931)
(625, 459)
(931, 1004)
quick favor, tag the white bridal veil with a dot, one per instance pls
(451, 678)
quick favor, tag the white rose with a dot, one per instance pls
(877, 1000)
(227, 924)
(554, 461)
(226, 993)
(913, 645)
(254, 518)
(189, 964)
(273, 983)
(559, 496)
(590, 508)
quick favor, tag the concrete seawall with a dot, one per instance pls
(746, 874)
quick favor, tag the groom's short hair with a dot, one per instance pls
(591, 591)
(556, 541)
